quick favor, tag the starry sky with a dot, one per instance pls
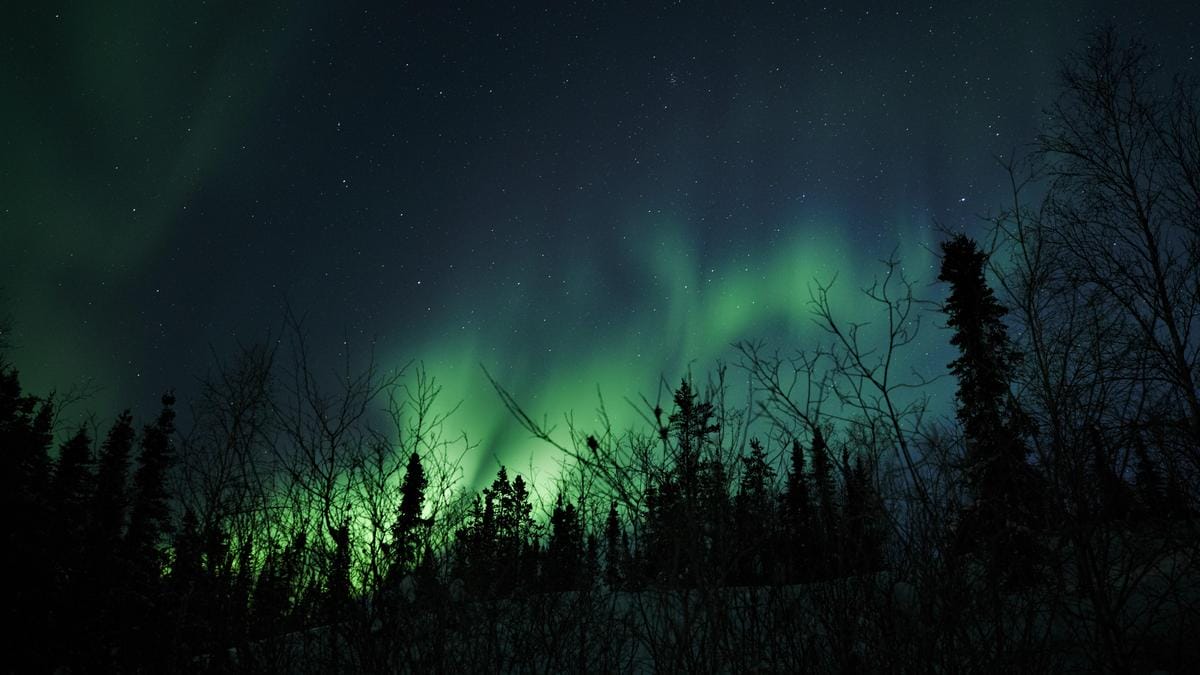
(591, 195)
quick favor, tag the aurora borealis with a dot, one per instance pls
(576, 197)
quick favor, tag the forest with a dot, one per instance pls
(830, 523)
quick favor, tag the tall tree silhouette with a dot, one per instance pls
(862, 519)
(797, 517)
(616, 549)
(565, 562)
(150, 512)
(111, 500)
(1005, 508)
(754, 516)
(496, 548)
(407, 542)
(25, 436)
(143, 604)
(825, 530)
(686, 505)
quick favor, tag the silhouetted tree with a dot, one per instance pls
(755, 517)
(144, 614)
(688, 518)
(25, 436)
(150, 511)
(276, 601)
(616, 549)
(111, 501)
(407, 542)
(797, 518)
(338, 588)
(690, 424)
(1005, 508)
(863, 518)
(564, 564)
(1121, 210)
(496, 548)
(826, 526)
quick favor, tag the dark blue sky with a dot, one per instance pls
(592, 194)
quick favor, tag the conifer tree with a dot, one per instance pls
(337, 583)
(406, 543)
(1006, 499)
(862, 518)
(496, 549)
(616, 554)
(753, 515)
(25, 437)
(687, 511)
(150, 513)
(797, 517)
(825, 524)
(111, 500)
(691, 424)
(71, 485)
(143, 606)
(565, 554)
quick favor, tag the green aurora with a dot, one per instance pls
(579, 202)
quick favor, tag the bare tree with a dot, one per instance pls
(1122, 218)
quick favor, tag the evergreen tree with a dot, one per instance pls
(687, 511)
(71, 486)
(862, 520)
(104, 574)
(797, 518)
(190, 596)
(25, 437)
(145, 614)
(407, 537)
(70, 492)
(277, 597)
(337, 584)
(111, 499)
(825, 524)
(753, 515)
(150, 513)
(1006, 507)
(616, 553)
(691, 424)
(496, 549)
(565, 555)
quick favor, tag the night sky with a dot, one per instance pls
(595, 194)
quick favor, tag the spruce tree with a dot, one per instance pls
(406, 543)
(144, 609)
(337, 583)
(111, 500)
(25, 437)
(691, 424)
(615, 553)
(496, 548)
(825, 524)
(797, 518)
(862, 519)
(150, 513)
(753, 516)
(71, 486)
(565, 554)
(1006, 508)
